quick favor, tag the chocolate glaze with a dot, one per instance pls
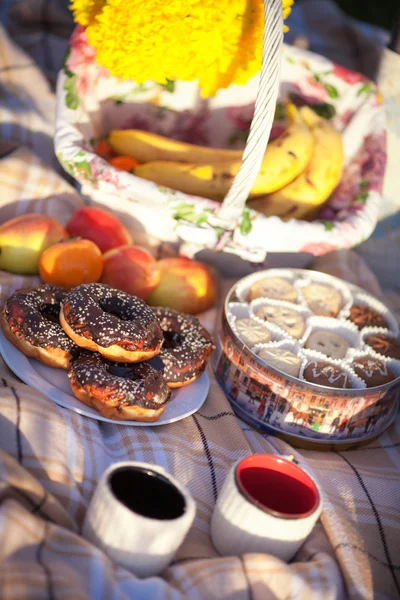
(108, 316)
(125, 384)
(186, 347)
(33, 314)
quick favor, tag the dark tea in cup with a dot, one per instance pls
(139, 515)
(147, 493)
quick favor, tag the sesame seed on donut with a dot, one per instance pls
(187, 345)
(30, 320)
(131, 391)
(119, 326)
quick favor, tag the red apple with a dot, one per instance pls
(131, 269)
(185, 285)
(99, 226)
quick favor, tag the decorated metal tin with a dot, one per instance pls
(300, 411)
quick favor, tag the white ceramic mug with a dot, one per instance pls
(267, 504)
(139, 516)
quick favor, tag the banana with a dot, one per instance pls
(208, 181)
(147, 147)
(284, 159)
(302, 198)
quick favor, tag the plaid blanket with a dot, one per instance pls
(52, 458)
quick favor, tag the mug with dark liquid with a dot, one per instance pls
(267, 504)
(139, 516)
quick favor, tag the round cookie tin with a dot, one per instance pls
(307, 415)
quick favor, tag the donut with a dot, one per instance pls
(30, 320)
(186, 347)
(119, 326)
(120, 391)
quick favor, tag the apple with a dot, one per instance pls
(24, 239)
(99, 226)
(131, 269)
(185, 285)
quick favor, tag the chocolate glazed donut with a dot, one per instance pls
(30, 320)
(187, 345)
(121, 391)
(118, 326)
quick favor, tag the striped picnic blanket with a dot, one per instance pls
(52, 458)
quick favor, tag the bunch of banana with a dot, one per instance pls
(302, 198)
(294, 162)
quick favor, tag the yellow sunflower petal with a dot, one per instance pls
(215, 43)
(84, 11)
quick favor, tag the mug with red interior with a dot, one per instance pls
(268, 504)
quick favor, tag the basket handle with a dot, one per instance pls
(264, 110)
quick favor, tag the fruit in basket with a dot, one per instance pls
(131, 269)
(285, 158)
(208, 181)
(24, 238)
(104, 150)
(185, 285)
(303, 197)
(99, 226)
(71, 263)
(124, 163)
(147, 147)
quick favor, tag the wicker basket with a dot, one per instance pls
(90, 102)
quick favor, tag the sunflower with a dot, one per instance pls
(215, 43)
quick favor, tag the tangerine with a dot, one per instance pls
(71, 263)
(104, 150)
(124, 163)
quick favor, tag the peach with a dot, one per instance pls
(71, 263)
(185, 285)
(131, 269)
(99, 226)
(23, 240)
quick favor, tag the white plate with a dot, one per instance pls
(54, 384)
